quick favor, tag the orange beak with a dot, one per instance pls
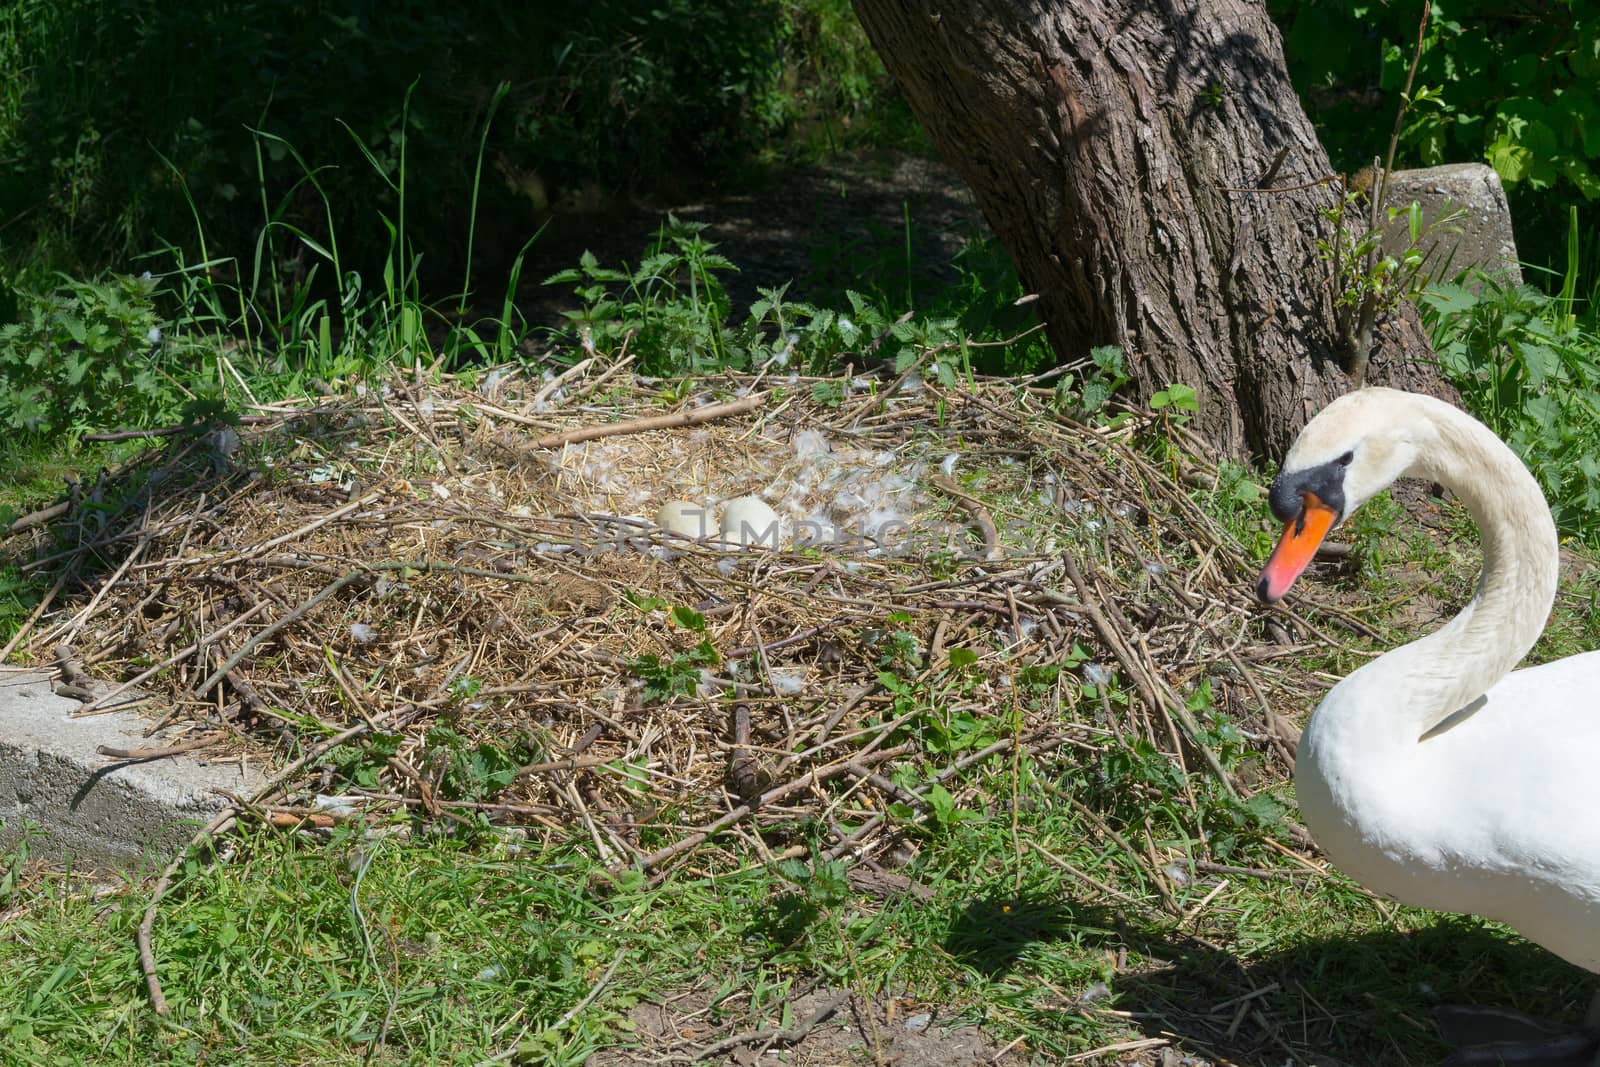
(1301, 537)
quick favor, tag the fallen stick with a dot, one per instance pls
(299, 612)
(101, 701)
(155, 753)
(1149, 688)
(980, 515)
(571, 763)
(35, 518)
(768, 1038)
(147, 957)
(856, 837)
(173, 431)
(850, 417)
(39, 609)
(653, 422)
(561, 379)
(744, 811)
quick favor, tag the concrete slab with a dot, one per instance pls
(92, 809)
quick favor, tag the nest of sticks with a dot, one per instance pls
(448, 598)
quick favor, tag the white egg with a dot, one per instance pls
(685, 519)
(751, 522)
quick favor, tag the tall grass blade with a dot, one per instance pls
(472, 211)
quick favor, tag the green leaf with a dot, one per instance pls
(1264, 809)
(1579, 174)
(689, 619)
(1542, 363)
(1447, 298)
(1511, 161)
(793, 870)
(962, 657)
(1183, 397)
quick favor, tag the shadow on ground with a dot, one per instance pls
(1364, 1000)
(824, 228)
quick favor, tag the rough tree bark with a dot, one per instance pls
(1107, 143)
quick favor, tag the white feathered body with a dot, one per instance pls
(1498, 815)
(1436, 774)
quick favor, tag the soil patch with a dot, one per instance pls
(823, 228)
(826, 1028)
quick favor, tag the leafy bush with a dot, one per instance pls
(1532, 374)
(1517, 86)
(82, 356)
(187, 110)
(675, 316)
(672, 311)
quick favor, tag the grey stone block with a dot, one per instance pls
(1482, 239)
(93, 809)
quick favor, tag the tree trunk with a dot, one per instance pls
(1107, 142)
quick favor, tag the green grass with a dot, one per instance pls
(393, 950)
(1528, 365)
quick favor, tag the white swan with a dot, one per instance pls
(1435, 774)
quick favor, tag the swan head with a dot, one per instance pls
(1348, 453)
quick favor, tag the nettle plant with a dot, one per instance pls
(85, 355)
(673, 312)
(1526, 367)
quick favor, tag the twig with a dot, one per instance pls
(257, 551)
(1147, 685)
(691, 417)
(623, 360)
(172, 431)
(129, 435)
(155, 753)
(303, 609)
(594, 993)
(147, 959)
(1284, 738)
(1253, 872)
(571, 764)
(743, 811)
(33, 617)
(876, 397)
(769, 1037)
(746, 777)
(980, 515)
(793, 639)
(560, 380)
(1362, 339)
(1109, 636)
(36, 518)
(245, 616)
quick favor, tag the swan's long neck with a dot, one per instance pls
(1430, 679)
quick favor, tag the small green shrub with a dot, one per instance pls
(673, 313)
(1513, 86)
(679, 676)
(1084, 393)
(84, 356)
(1532, 374)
